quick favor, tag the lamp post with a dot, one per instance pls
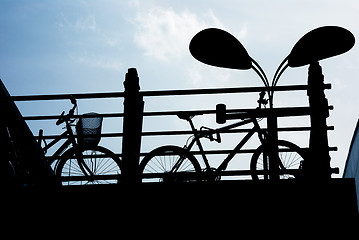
(219, 48)
(316, 45)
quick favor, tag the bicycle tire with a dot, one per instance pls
(108, 164)
(291, 157)
(163, 159)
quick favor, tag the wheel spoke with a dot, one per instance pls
(289, 154)
(96, 162)
(168, 160)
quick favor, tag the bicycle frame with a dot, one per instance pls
(61, 149)
(200, 134)
(70, 140)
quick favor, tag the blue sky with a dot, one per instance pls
(87, 46)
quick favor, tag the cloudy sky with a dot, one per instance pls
(87, 46)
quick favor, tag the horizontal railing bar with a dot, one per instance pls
(226, 90)
(214, 152)
(146, 114)
(230, 112)
(55, 117)
(174, 113)
(207, 152)
(190, 175)
(274, 112)
(162, 93)
(188, 132)
(219, 152)
(93, 135)
(67, 96)
(244, 130)
(205, 175)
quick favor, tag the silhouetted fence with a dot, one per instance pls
(231, 114)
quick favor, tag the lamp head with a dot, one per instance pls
(219, 48)
(320, 43)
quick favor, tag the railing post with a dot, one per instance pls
(272, 146)
(317, 164)
(132, 128)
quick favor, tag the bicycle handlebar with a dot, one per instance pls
(68, 116)
(61, 119)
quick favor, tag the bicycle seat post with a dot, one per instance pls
(192, 125)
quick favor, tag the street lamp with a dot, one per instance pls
(219, 48)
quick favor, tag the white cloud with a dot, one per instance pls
(98, 61)
(243, 32)
(165, 34)
(86, 23)
(80, 24)
(201, 75)
(88, 43)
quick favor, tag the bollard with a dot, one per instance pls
(132, 128)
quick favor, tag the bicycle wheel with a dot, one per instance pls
(171, 160)
(97, 163)
(290, 156)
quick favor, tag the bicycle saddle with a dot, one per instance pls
(185, 115)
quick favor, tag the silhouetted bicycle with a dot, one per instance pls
(85, 162)
(173, 163)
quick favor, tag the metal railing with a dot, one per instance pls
(278, 112)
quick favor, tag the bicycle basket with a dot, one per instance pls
(88, 129)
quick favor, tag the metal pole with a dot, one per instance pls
(272, 147)
(317, 164)
(132, 128)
